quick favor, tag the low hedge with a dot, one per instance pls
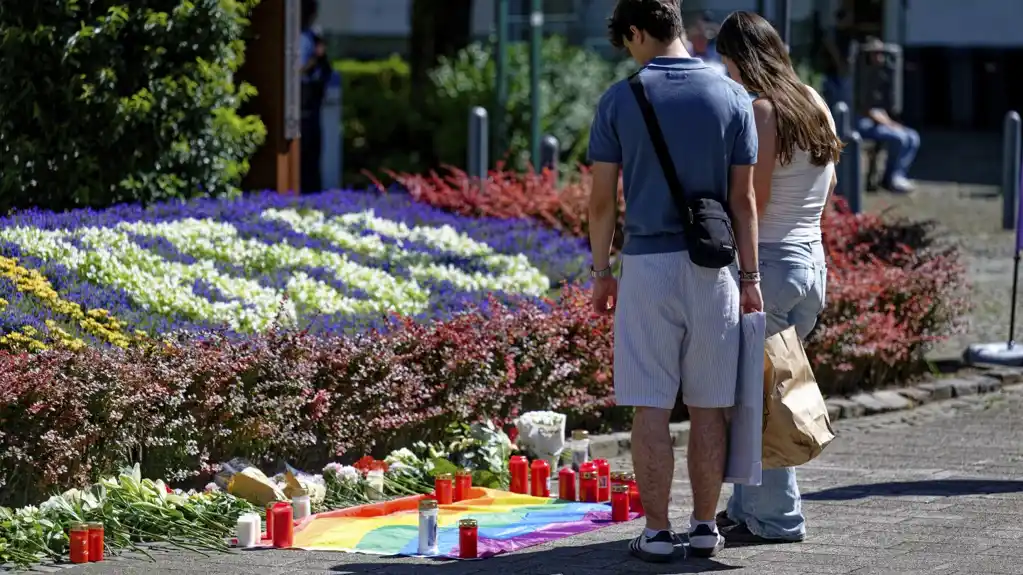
(181, 408)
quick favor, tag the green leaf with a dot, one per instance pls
(442, 466)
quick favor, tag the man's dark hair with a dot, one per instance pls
(662, 19)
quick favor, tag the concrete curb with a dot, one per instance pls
(860, 405)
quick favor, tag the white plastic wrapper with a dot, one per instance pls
(542, 434)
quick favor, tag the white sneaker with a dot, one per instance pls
(705, 542)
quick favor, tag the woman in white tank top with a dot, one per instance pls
(793, 178)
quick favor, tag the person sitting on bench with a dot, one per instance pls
(900, 142)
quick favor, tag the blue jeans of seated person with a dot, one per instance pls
(901, 144)
(793, 281)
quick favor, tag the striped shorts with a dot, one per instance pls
(675, 322)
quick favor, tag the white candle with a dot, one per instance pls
(248, 530)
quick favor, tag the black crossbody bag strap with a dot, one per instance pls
(661, 148)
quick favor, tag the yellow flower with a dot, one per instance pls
(97, 322)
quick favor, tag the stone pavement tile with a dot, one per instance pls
(1002, 548)
(989, 564)
(955, 548)
(812, 560)
(820, 548)
(872, 539)
(943, 570)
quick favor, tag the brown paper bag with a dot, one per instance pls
(796, 423)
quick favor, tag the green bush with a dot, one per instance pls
(384, 129)
(571, 82)
(379, 125)
(107, 101)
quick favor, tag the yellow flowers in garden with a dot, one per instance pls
(96, 322)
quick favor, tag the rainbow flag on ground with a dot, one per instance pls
(507, 522)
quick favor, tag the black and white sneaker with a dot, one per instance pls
(705, 542)
(656, 549)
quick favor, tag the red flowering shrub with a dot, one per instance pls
(64, 416)
(180, 408)
(891, 293)
(512, 195)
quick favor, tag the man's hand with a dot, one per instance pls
(321, 49)
(605, 295)
(750, 298)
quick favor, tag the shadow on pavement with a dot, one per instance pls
(607, 558)
(963, 157)
(937, 487)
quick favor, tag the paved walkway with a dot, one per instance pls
(937, 490)
(958, 175)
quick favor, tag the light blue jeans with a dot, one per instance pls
(793, 280)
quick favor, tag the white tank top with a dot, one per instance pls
(799, 192)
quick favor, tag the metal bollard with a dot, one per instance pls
(477, 161)
(332, 129)
(785, 21)
(853, 172)
(1012, 156)
(550, 149)
(843, 120)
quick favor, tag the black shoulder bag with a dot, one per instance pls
(705, 221)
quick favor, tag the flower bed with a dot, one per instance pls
(332, 263)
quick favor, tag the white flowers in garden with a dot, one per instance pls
(110, 256)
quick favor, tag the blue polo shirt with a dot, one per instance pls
(707, 121)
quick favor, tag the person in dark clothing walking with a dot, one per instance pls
(315, 73)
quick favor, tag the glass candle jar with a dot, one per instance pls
(580, 448)
(284, 526)
(518, 468)
(463, 484)
(588, 486)
(540, 478)
(95, 541)
(620, 503)
(468, 539)
(444, 488)
(566, 484)
(428, 527)
(79, 543)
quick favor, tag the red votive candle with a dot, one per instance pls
(269, 521)
(588, 486)
(620, 503)
(603, 479)
(284, 527)
(468, 539)
(463, 484)
(79, 543)
(540, 477)
(95, 541)
(566, 484)
(635, 503)
(518, 467)
(442, 485)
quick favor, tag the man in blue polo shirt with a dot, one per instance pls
(674, 321)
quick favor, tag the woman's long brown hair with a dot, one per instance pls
(748, 40)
